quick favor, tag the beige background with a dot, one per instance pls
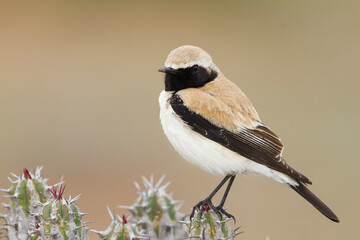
(79, 89)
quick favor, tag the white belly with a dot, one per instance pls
(206, 153)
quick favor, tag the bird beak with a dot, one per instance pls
(170, 71)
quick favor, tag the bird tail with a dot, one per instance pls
(315, 201)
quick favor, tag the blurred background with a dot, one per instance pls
(79, 95)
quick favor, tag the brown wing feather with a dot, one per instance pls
(259, 144)
(268, 142)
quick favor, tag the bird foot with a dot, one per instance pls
(203, 206)
(220, 210)
(206, 205)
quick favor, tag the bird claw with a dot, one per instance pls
(221, 211)
(206, 205)
(201, 206)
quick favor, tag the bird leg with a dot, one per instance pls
(220, 207)
(206, 203)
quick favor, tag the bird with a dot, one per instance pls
(211, 123)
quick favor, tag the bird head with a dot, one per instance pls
(188, 67)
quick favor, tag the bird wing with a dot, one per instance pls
(258, 144)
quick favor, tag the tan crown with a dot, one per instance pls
(187, 56)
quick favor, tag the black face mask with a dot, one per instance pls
(192, 77)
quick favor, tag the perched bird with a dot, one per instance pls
(213, 125)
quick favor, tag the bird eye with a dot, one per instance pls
(194, 68)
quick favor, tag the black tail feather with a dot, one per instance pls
(315, 201)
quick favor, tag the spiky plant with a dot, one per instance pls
(209, 226)
(37, 211)
(27, 194)
(156, 213)
(120, 229)
(61, 219)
